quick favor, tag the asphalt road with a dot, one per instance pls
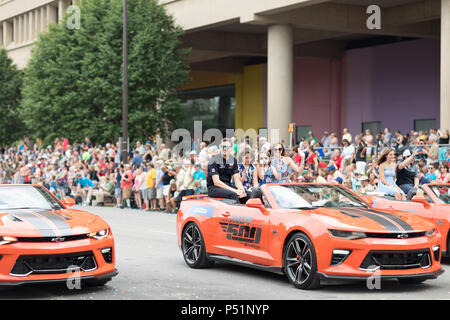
(151, 266)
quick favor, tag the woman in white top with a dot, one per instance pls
(348, 150)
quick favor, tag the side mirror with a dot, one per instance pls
(257, 204)
(422, 200)
(69, 202)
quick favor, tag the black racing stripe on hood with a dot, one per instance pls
(396, 219)
(60, 223)
(350, 214)
(385, 222)
(39, 223)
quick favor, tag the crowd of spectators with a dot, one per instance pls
(155, 178)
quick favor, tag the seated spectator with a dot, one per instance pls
(407, 177)
(84, 184)
(430, 173)
(445, 175)
(105, 188)
(356, 181)
(388, 168)
(247, 173)
(172, 201)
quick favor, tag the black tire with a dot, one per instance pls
(97, 282)
(411, 280)
(193, 247)
(300, 262)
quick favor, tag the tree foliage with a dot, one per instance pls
(73, 82)
(12, 127)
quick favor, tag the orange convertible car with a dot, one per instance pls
(434, 205)
(309, 232)
(41, 240)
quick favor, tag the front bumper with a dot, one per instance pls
(10, 255)
(353, 267)
(27, 282)
(425, 276)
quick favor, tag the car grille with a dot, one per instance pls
(395, 235)
(52, 239)
(397, 260)
(54, 264)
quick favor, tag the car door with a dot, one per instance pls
(242, 233)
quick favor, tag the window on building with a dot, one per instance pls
(424, 124)
(214, 106)
(373, 126)
(302, 132)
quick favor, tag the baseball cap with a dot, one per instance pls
(339, 179)
(406, 153)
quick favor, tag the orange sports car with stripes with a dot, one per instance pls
(309, 232)
(42, 240)
(434, 205)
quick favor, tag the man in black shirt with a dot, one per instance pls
(360, 154)
(222, 169)
(407, 175)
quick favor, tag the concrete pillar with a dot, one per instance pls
(37, 22)
(7, 33)
(280, 81)
(31, 18)
(16, 30)
(20, 30)
(43, 19)
(2, 36)
(51, 15)
(62, 6)
(445, 64)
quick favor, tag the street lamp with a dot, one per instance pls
(125, 85)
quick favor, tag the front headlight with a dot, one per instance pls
(7, 240)
(430, 233)
(99, 235)
(351, 235)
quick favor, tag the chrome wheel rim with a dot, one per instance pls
(192, 244)
(299, 261)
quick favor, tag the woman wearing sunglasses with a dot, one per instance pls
(284, 165)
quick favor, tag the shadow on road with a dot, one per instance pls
(50, 291)
(335, 287)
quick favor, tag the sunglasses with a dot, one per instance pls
(225, 147)
(278, 149)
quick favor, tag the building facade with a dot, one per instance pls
(321, 64)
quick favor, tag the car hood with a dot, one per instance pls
(48, 223)
(372, 220)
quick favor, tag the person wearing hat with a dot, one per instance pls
(407, 174)
(365, 186)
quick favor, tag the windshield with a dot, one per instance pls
(314, 196)
(24, 197)
(442, 192)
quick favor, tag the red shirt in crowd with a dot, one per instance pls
(127, 184)
(337, 160)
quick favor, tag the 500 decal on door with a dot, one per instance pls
(241, 232)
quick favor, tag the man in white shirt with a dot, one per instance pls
(346, 135)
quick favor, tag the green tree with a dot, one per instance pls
(73, 82)
(12, 127)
